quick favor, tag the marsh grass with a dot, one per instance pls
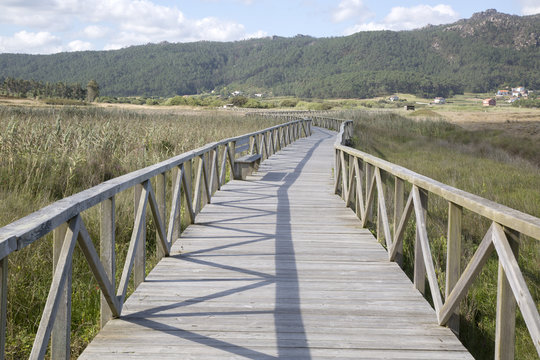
(492, 164)
(50, 153)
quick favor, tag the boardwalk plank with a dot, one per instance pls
(277, 267)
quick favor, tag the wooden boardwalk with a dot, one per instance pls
(277, 267)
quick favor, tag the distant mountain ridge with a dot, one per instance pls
(479, 54)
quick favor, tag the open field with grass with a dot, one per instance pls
(499, 164)
(47, 153)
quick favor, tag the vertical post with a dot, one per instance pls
(139, 271)
(453, 257)
(506, 308)
(205, 159)
(399, 197)
(369, 181)
(60, 341)
(189, 188)
(107, 253)
(419, 266)
(162, 209)
(3, 305)
(178, 221)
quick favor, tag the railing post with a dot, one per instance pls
(189, 187)
(399, 197)
(107, 252)
(139, 271)
(369, 181)
(61, 331)
(506, 308)
(419, 265)
(453, 257)
(3, 305)
(162, 209)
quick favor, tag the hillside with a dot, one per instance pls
(477, 54)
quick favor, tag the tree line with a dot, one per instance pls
(434, 61)
(39, 89)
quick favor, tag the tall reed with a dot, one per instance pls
(49, 153)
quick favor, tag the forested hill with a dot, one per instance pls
(479, 54)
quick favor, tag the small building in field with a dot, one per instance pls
(439, 100)
(393, 98)
(503, 93)
(489, 102)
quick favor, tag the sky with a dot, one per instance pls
(52, 26)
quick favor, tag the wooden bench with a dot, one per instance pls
(245, 165)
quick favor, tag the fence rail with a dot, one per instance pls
(196, 175)
(358, 179)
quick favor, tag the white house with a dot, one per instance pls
(439, 100)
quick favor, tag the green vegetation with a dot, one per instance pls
(495, 165)
(49, 153)
(476, 55)
(31, 88)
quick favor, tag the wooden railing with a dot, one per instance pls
(214, 164)
(358, 179)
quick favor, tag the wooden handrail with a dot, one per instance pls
(507, 224)
(215, 165)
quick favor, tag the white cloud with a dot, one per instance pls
(530, 7)
(348, 9)
(28, 42)
(121, 22)
(95, 32)
(79, 45)
(402, 18)
(256, 35)
(372, 26)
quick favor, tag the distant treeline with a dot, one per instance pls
(433, 61)
(39, 89)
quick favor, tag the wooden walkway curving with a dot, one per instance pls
(277, 267)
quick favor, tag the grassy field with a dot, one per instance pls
(500, 165)
(47, 153)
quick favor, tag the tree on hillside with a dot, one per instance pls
(92, 90)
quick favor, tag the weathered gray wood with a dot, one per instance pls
(197, 193)
(54, 298)
(467, 277)
(25, 231)
(370, 196)
(60, 335)
(518, 285)
(382, 213)
(453, 257)
(521, 222)
(505, 327)
(160, 225)
(133, 244)
(3, 305)
(370, 180)
(107, 253)
(186, 186)
(400, 233)
(261, 276)
(139, 261)
(399, 197)
(161, 199)
(420, 210)
(100, 274)
(173, 231)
